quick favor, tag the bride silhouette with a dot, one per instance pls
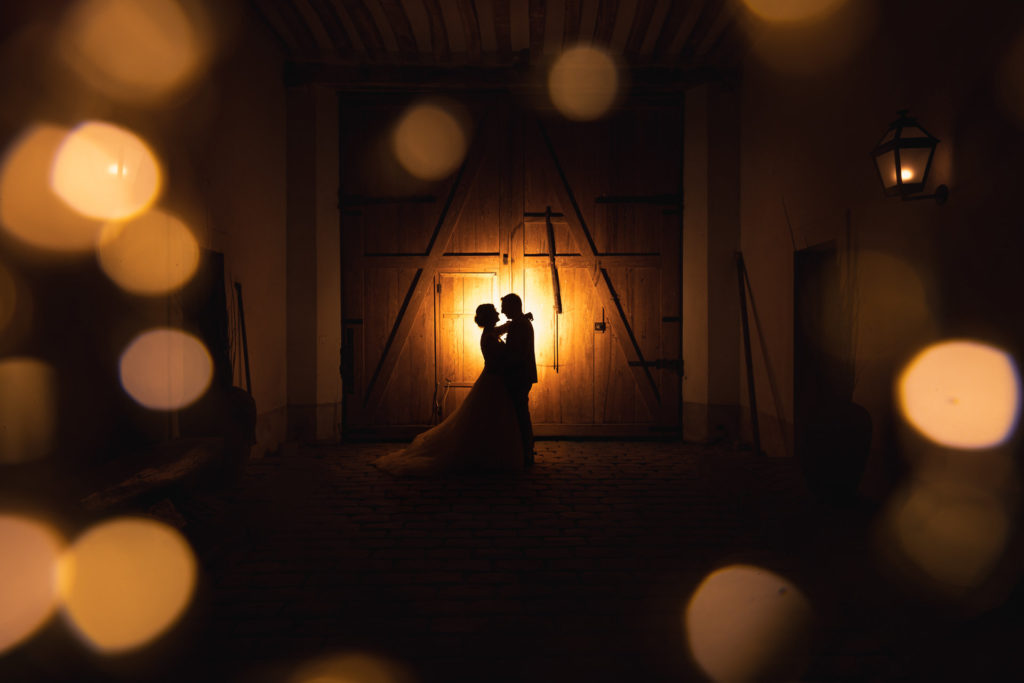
(483, 434)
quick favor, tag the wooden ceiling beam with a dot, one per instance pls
(394, 78)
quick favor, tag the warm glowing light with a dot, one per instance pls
(952, 532)
(792, 10)
(906, 174)
(583, 83)
(135, 51)
(744, 623)
(354, 667)
(430, 140)
(105, 172)
(29, 554)
(165, 369)
(818, 43)
(28, 404)
(29, 209)
(126, 581)
(962, 394)
(153, 254)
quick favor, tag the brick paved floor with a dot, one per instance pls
(577, 570)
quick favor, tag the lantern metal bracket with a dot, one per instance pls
(940, 195)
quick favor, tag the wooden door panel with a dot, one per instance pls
(407, 399)
(477, 230)
(458, 344)
(576, 346)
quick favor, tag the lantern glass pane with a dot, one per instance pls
(889, 134)
(913, 164)
(887, 169)
(912, 132)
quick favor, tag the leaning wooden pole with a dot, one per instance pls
(245, 339)
(741, 272)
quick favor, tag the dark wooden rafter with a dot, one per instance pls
(625, 337)
(571, 23)
(290, 23)
(273, 21)
(709, 12)
(423, 281)
(638, 30)
(605, 27)
(364, 22)
(503, 27)
(471, 27)
(724, 23)
(331, 21)
(402, 28)
(438, 31)
(677, 13)
(538, 10)
(314, 21)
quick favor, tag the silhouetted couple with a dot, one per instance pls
(491, 430)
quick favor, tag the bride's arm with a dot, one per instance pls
(503, 328)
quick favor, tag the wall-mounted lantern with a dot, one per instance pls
(904, 157)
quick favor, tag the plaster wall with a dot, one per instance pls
(923, 271)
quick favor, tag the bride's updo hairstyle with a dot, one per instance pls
(485, 313)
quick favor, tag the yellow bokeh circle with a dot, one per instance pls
(30, 210)
(135, 51)
(583, 83)
(29, 556)
(124, 582)
(105, 172)
(792, 10)
(430, 140)
(745, 623)
(165, 369)
(153, 254)
(962, 394)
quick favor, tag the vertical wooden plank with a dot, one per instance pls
(576, 347)
(537, 299)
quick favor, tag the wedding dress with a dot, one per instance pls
(482, 435)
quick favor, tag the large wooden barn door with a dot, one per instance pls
(419, 257)
(608, 195)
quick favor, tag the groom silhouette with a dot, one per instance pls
(521, 368)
